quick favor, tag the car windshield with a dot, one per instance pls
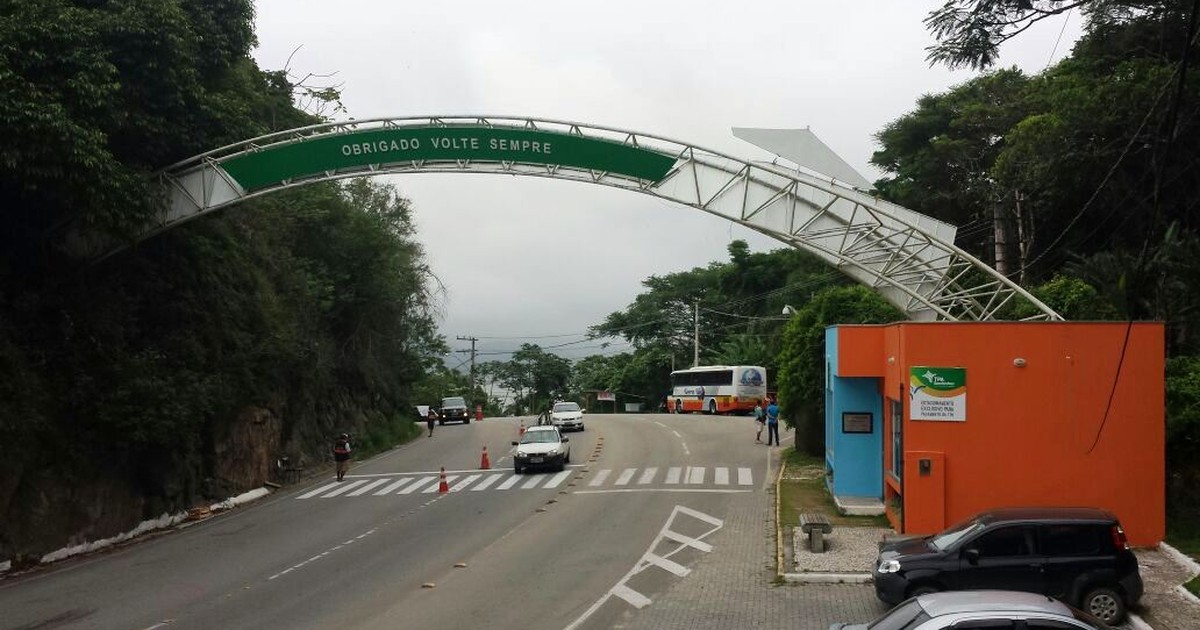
(946, 539)
(540, 437)
(566, 407)
(457, 401)
(906, 615)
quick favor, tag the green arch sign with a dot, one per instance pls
(315, 155)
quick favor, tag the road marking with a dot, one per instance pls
(632, 597)
(435, 472)
(344, 488)
(433, 487)
(688, 540)
(676, 434)
(695, 475)
(721, 476)
(647, 476)
(392, 487)
(510, 482)
(557, 479)
(367, 488)
(626, 475)
(695, 490)
(420, 482)
(533, 481)
(313, 493)
(660, 424)
(483, 485)
(745, 477)
(621, 589)
(600, 477)
(685, 449)
(670, 565)
(673, 474)
(464, 483)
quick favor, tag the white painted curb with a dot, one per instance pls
(1180, 558)
(1137, 623)
(1186, 594)
(827, 578)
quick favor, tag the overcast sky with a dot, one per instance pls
(525, 260)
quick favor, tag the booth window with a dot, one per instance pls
(897, 438)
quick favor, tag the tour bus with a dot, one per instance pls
(717, 389)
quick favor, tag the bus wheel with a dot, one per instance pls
(678, 406)
(712, 407)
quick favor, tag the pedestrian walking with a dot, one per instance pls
(759, 420)
(341, 454)
(773, 422)
(430, 419)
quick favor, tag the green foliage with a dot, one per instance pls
(1070, 297)
(801, 379)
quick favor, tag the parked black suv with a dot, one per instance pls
(1078, 555)
(454, 409)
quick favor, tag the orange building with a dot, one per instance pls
(979, 415)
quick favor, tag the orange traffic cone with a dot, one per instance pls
(443, 485)
(485, 462)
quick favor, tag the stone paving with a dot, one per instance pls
(1162, 606)
(734, 586)
(847, 550)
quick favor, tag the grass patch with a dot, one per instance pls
(1184, 537)
(1193, 585)
(802, 489)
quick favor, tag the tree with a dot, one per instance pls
(801, 378)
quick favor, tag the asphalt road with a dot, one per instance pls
(589, 548)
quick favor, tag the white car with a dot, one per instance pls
(567, 416)
(541, 447)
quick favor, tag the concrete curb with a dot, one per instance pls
(1187, 595)
(778, 528)
(827, 578)
(1137, 623)
(1180, 558)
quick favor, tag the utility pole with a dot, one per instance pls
(472, 340)
(696, 335)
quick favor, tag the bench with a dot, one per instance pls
(815, 526)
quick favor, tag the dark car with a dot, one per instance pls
(454, 409)
(1078, 555)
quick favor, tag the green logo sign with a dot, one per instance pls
(319, 154)
(937, 393)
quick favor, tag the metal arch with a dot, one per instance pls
(908, 258)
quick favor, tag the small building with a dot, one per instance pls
(933, 422)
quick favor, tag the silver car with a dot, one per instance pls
(567, 416)
(1009, 610)
(541, 447)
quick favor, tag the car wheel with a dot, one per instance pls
(922, 589)
(712, 407)
(467, 421)
(1105, 604)
(441, 423)
(516, 469)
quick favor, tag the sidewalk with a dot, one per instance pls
(1162, 605)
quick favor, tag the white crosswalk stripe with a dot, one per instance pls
(673, 475)
(394, 486)
(647, 476)
(510, 482)
(626, 475)
(420, 482)
(486, 483)
(367, 488)
(644, 478)
(600, 477)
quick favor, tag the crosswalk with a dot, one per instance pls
(678, 477)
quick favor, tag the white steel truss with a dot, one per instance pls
(908, 258)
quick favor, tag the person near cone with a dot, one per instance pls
(341, 455)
